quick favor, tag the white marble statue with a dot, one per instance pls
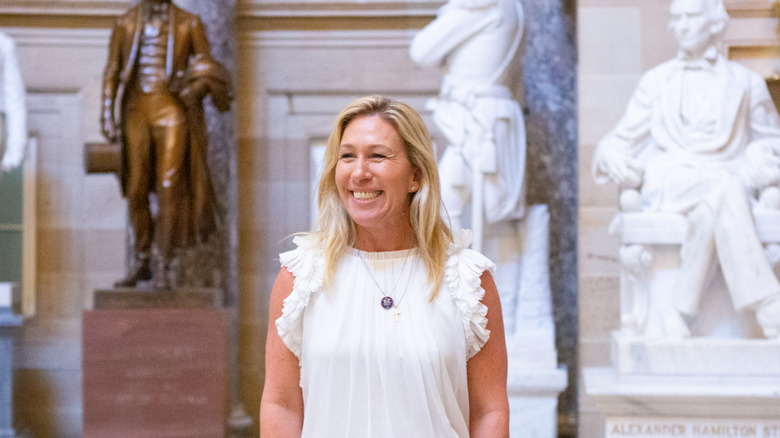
(484, 162)
(13, 110)
(701, 137)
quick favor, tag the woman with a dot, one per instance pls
(385, 325)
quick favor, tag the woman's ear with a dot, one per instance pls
(416, 183)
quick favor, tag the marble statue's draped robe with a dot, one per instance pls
(477, 40)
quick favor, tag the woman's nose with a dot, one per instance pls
(362, 170)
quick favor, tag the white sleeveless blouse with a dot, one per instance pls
(363, 374)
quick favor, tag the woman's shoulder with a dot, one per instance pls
(306, 260)
(460, 255)
(463, 271)
(306, 263)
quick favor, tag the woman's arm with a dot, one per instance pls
(487, 374)
(281, 408)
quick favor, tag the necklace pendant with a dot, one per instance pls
(386, 302)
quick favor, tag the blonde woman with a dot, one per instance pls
(383, 324)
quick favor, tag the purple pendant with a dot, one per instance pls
(386, 302)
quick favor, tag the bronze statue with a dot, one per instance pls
(159, 70)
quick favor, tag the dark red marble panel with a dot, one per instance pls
(155, 373)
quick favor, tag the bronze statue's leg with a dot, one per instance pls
(137, 134)
(169, 132)
(138, 188)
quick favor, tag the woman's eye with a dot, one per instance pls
(346, 155)
(378, 156)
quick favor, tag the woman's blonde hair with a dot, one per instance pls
(336, 230)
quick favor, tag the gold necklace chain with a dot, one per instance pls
(387, 301)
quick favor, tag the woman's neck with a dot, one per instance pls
(395, 240)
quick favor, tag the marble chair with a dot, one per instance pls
(650, 257)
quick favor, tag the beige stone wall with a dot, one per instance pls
(617, 41)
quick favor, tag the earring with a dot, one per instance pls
(414, 188)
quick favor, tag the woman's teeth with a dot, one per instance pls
(366, 195)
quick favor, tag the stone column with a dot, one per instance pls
(550, 100)
(219, 19)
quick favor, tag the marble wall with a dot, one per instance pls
(297, 64)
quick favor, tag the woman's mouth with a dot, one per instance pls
(365, 196)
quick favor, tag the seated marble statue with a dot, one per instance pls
(13, 110)
(700, 137)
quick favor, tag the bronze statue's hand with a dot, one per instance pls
(193, 93)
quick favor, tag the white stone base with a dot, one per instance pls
(6, 295)
(533, 401)
(730, 357)
(703, 397)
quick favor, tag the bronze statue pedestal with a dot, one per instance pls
(155, 364)
(178, 298)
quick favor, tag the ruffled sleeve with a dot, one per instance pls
(462, 274)
(307, 264)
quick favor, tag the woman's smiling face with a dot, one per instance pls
(374, 176)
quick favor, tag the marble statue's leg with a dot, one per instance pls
(698, 259)
(747, 272)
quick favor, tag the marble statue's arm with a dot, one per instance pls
(452, 27)
(615, 156)
(15, 106)
(762, 155)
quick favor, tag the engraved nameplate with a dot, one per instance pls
(617, 427)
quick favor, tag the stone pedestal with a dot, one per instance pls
(533, 400)
(694, 387)
(155, 364)
(696, 357)
(685, 406)
(535, 380)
